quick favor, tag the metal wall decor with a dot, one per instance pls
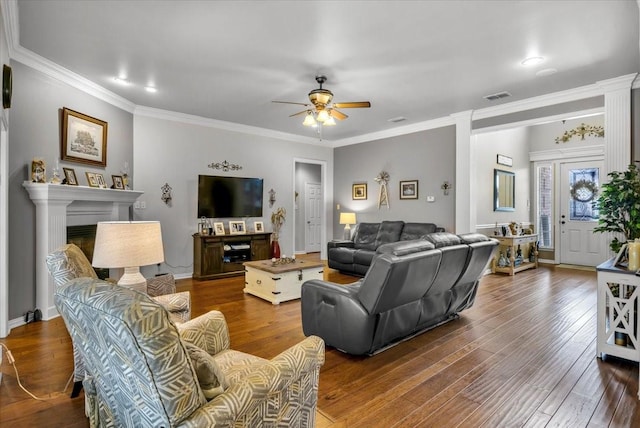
(225, 166)
(446, 186)
(166, 193)
(383, 195)
(581, 130)
(272, 198)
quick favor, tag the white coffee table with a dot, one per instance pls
(278, 283)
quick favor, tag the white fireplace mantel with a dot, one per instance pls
(59, 206)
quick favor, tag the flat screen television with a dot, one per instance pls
(225, 197)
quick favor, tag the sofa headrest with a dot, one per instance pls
(443, 239)
(470, 238)
(416, 230)
(402, 248)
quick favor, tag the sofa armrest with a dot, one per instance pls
(208, 331)
(335, 313)
(340, 243)
(289, 382)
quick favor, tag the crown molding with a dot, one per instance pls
(220, 124)
(72, 79)
(395, 132)
(540, 120)
(595, 151)
(50, 68)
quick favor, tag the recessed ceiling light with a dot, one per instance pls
(121, 80)
(532, 60)
(546, 72)
(151, 89)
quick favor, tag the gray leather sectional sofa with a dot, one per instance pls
(411, 286)
(354, 256)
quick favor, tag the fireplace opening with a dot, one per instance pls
(85, 238)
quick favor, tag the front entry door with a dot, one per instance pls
(579, 245)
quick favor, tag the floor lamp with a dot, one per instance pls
(128, 245)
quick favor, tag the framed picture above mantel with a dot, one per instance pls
(84, 138)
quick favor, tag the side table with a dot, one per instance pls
(618, 317)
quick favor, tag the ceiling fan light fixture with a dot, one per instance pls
(329, 122)
(323, 116)
(309, 120)
(320, 96)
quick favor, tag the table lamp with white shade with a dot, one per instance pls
(347, 219)
(128, 245)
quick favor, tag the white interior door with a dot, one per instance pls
(579, 245)
(313, 217)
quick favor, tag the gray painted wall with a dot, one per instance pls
(35, 132)
(428, 157)
(513, 143)
(175, 153)
(305, 173)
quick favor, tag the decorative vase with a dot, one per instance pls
(275, 249)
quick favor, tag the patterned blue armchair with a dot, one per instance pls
(148, 372)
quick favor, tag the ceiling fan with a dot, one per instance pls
(321, 109)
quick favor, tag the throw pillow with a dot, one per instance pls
(205, 368)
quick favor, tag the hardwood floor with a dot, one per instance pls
(524, 355)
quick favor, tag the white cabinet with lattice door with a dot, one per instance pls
(618, 318)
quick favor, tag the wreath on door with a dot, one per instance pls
(584, 190)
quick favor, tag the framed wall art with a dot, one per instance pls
(409, 189)
(504, 160)
(70, 176)
(359, 191)
(237, 228)
(84, 138)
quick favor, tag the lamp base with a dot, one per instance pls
(347, 233)
(133, 279)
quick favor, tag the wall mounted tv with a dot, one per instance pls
(224, 197)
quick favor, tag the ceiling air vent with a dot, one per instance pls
(397, 119)
(499, 95)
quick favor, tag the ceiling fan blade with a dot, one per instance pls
(358, 104)
(337, 114)
(289, 102)
(299, 113)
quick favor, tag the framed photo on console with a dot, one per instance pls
(218, 228)
(237, 228)
(258, 226)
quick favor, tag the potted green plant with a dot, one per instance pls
(619, 206)
(277, 220)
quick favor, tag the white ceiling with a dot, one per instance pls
(423, 60)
